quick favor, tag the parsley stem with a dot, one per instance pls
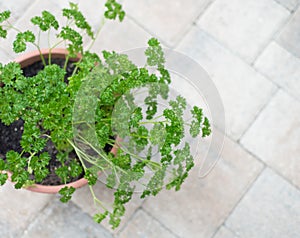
(96, 200)
(152, 122)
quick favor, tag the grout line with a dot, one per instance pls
(39, 213)
(148, 30)
(129, 220)
(275, 35)
(155, 219)
(286, 8)
(209, 5)
(239, 201)
(269, 166)
(232, 53)
(189, 26)
(258, 114)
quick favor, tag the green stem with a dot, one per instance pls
(29, 169)
(66, 62)
(152, 122)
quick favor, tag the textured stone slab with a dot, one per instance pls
(201, 205)
(4, 57)
(83, 199)
(18, 209)
(64, 220)
(121, 37)
(24, 24)
(244, 26)
(289, 4)
(281, 67)
(17, 8)
(271, 209)
(166, 19)
(143, 225)
(274, 136)
(244, 92)
(224, 232)
(290, 35)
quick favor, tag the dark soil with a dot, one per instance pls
(10, 136)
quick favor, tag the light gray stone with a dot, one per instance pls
(271, 209)
(24, 24)
(289, 4)
(274, 136)
(143, 225)
(201, 205)
(65, 221)
(4, 57)
(243, 91)
(166, 19)
(17, 8)
(289, 37)
(244, 26)
(83, 199)
(224, 232)
(18, 209)
(120, 37)
(281, 67)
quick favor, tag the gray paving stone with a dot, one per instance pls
(24, 23)
(18, 8)
(201, 205)
(64, 221)
(289, 4)
(18, 209)
(4, 57)
(280, 66)
(244, 26)
(120, 37)
(83, 199)
(166, 19)
(143, 225)
(236, 81)
(274, 136)
(289, 37)
(271, 209)
(224, 232)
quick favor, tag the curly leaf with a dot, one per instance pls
(66, 193)
(19, 45)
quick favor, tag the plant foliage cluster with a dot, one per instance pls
(45, 103)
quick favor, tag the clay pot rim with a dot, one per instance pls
(25, 60)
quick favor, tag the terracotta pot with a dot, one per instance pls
(26, 60)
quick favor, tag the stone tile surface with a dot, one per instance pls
(16, 9)
(18, 209)
(278, 129)
(224, 232)
(244, 26)
(65, 221)
(201, 205)
(24, 24)
(271, 209)
(120, 37)
(289, 4)
(289, 37)
(4, 57)
(166, 19)
(83, 199)
(281, 67)
(143, 225)
(236, 81)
